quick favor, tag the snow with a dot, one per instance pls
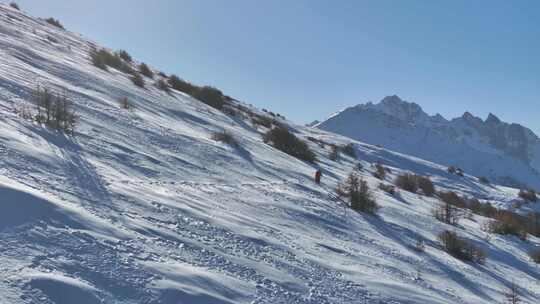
(143, 206)
(61, 289)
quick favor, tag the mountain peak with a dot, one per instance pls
(493, 119)
(468, 115)
(392, 99)
(395, 106)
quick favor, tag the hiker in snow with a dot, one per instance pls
(318, 175)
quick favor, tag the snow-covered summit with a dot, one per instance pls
(508, 153)
(142, 205)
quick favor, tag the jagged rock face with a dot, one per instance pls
(512, 139)
(487, 147)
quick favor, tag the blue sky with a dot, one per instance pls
(307, 59)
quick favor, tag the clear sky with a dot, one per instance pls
(307, 59)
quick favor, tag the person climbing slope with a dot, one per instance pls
(318, 175)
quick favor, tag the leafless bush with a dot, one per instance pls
(349, 150)
(103, 58)
(535, 255)
(54, 22)
(55, 110)
(138, 80)
(420, 245)
(425, 184)
(262, 120)
(145, 70)
(52, 39)
(508, 223)
(387, 188)
(461, 248)
(285, 141)
(125, 56)
(407, 182)
(225, 137)
(484, 180)
(334, 153)
(210, 96)
(181, 85)
(125, 103)
(450, 211)
(512, 295)
(528, 195)
(380, 171)
(24, 111)
(162, 85)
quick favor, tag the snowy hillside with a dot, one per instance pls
(506, 153)
(143, 206)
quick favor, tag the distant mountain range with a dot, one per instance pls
(507, 153)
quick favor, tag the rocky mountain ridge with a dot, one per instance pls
(506, 152)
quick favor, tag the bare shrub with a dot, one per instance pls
(285, 141)
(356, 190)
(484, 180)
(528, 195)
(533, 223)
(334, 153)
(535, 255)
(407, 182)
(231, 111)
(52, 39)
(349, 150)
(145, 70)
(420, 245)
(103, 59)
(449, 212)
(210, 96)
(387, 188)
(425, 184)
(455, 170)
(453, 199)
(225, 137)
(125, 103)
(23, 110)
(55, 110)
(380, 171)
(461, 248)
(484, 209)
(512, 295)
(162, 85)
(125, 56)
(138, 80)
(505, 228)
(54, 22)
(181, 85)
(262, 121)
(98, 59)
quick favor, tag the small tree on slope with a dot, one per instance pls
(512, 295)
(356, 190)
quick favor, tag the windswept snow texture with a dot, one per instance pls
(506, 153)
(143, 206)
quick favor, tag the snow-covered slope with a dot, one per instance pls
(143, 206)
(506, 153)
